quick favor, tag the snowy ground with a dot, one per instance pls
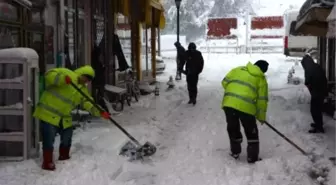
(192, 141)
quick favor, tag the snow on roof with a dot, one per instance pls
(332, 15)
(22, 54)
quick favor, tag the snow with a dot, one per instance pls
(27, 55)
(12, 80)
(269, 32)
(167, 41)
(81, 112)
(14, 106)
(192, 142)
(269, 8)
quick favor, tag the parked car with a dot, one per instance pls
(160, 65)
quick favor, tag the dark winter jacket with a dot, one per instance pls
(194, 61)
(98, 66)
(181, 52)
(315, 77)
(117, 51)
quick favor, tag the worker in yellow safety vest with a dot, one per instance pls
(55, 106)
(245, 100)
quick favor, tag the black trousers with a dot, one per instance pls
(316, 108)
(192, 81)
(234, 118)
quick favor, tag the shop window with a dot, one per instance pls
(36, 17)
(9, 11)
(9, 37)
(99, 31)
(69, 3)
(81, 43)
(36, 41)
(69, 45)
(98, 7)
(80, 4)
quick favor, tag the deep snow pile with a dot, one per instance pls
(192, 141)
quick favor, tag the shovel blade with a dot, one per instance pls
(134, 152)
(148, 149)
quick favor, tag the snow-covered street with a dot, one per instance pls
(192, 141)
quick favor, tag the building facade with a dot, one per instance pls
(63, 32)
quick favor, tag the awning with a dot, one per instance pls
(123, 7)
(159, 19)
(313, 22)
(146, 7)
(24, 3)
(332, 23)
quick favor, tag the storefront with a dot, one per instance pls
(21, 25)
(312, 20)
(77, 30)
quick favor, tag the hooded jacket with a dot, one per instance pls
(181, 55)
(194, 60)
(315, 77)
(59, 98)
(246, 90)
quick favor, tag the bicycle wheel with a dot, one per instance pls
(118, 105)
(128, 99)
(136, 90)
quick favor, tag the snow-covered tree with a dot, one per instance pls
(195, 13)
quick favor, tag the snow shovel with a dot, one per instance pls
(317, 172)
(311, 156)
(134, 150)
(284, 137)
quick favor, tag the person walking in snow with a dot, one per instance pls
(180, 59)
(245, 100)
(55, 106)
(194, 66)
(317, 84)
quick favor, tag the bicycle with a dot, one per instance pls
(132, 87)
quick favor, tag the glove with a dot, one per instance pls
(105, 115)
(261, 122)
(68, 80)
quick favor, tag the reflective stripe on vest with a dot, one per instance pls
(57, 78)
(253, 141)
(241, 83)
(62, 98)
(260, 110)
(248, 100)
(51, 109)
(263, 98)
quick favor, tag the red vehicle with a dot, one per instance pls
(267, 22)
(220, 27)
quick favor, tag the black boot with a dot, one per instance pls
(190, 102)
(250, 161)
(314, 125)
(235, 156)
(316, 130)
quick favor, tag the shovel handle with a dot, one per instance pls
(102, 110)
(284, 137)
